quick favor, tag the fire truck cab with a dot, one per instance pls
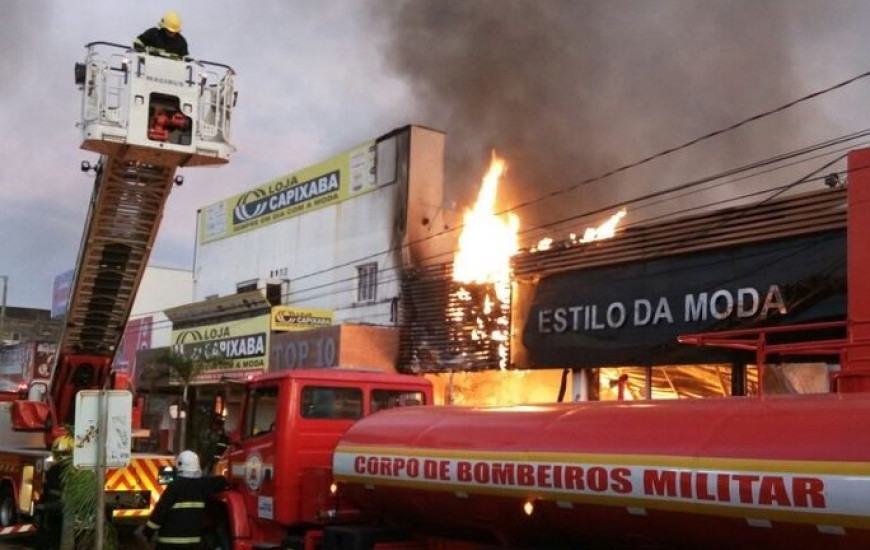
(280, 456)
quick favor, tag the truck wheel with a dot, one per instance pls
(7, 508)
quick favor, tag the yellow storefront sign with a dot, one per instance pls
(300, 318)
(325, 184)
(236, 348)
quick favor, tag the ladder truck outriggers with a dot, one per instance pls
(146, 116)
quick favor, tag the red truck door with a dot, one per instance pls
(252, 461)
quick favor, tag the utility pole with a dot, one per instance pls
(102, 433)
(3, 306)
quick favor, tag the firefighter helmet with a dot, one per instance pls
(63, 445)
(188, 464)
(171, 21)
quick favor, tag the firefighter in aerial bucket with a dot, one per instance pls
(165, 39)
(178, 518)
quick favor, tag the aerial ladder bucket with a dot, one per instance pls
(146, 116)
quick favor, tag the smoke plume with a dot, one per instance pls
(568, 89)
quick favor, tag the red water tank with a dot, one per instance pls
(780, 472)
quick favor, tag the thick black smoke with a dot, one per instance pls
(568, 89)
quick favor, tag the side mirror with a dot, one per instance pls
(167, 474)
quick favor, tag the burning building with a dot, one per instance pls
(458, 314)
(612, 311)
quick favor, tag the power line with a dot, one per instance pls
(159, 325)
(615, 206)
(838, 141)
(787, 186)
(700, 181)
(608, 174)
(166, 324)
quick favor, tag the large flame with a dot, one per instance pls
(487, 241)
(482, 266)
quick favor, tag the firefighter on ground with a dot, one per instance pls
(179, 514)
(165, 39)
(51, 504)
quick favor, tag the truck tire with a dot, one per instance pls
(8, 515)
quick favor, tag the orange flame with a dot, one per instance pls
(604, 231)
(486, 245)
(487, 241)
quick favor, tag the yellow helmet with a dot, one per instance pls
(171, 21)
(63, 445)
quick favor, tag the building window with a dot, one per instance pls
(367, 282)
(246, 286)
(273, 293)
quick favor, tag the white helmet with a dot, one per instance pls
(188, 464)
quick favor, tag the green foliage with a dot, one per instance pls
(80, 503)
(183, 368)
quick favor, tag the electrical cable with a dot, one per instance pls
(610, 173)
(624, 168)
(694, 191)
(778, 190)
(616, 206)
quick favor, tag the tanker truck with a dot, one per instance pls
(391, 472)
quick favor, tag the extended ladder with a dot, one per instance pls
(125, 212)
(146, 116)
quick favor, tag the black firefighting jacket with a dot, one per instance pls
(179, 514)
(160, 42)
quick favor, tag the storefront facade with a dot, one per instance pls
(615, 309)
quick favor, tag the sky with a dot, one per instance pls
(565, 90)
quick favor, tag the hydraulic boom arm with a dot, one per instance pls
(146, 116)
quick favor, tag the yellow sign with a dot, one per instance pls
(238, 347)
(300, 318)
(325, 184)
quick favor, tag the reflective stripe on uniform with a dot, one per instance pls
(152, 525)
(179, 540)
(159, 52)
(178, 505)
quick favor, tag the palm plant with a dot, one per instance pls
(80, 511)
(184, 369)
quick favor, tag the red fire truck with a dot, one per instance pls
(311, 472)
(146, 116)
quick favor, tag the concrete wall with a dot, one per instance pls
(315, 255)
(160, 289)
(22, 324)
